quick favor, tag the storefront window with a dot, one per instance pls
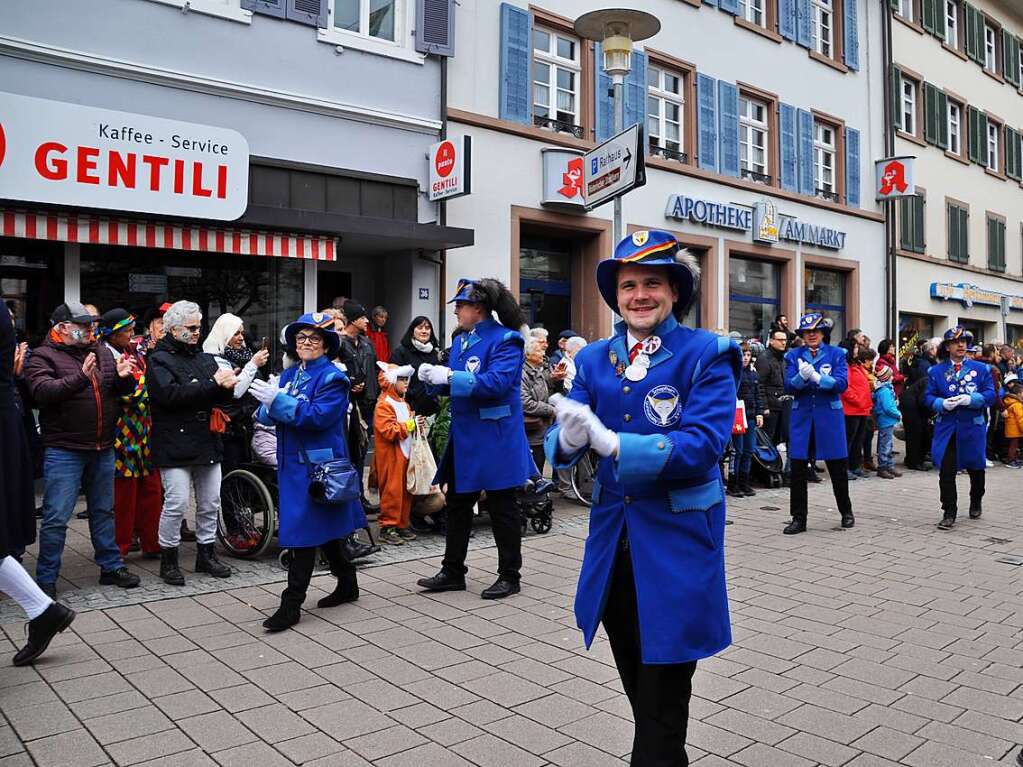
(914, 328)
(1014, 336)
(267, 293)
(976, 328)
(32, 283)
(754, 290)
(545, 281)
(825, 293)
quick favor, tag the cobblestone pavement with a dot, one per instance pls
(888, 644)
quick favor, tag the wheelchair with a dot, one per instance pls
(247, 522)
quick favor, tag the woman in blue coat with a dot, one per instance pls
(656, 402)
(959, 390)
(816, 374)
(308, 407)
(487, 448)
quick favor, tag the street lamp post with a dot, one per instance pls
(617, 29)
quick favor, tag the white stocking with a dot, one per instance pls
(19, 586)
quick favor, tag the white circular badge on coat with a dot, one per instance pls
(635, 372)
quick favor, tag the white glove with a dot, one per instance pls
(274, 381)
(264, 391)
(434, 374)
(572, 418)
(806, 370)
(963, 400)
(603, 440)
(815, 377)
(951, 403)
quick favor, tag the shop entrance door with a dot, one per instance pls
(32, 284)
(545, 281)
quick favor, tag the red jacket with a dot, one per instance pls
(856, 399)
(381, 344)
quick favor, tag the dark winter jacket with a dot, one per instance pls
(920, 368)
(75, 412)
(911, 403)
(182, 393)
(771, 370)
(752, 393)
(360, 361)
(419, 399)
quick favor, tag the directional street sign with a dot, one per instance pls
(614, 167)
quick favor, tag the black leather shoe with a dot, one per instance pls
(814, 477)
(42, 630)
(442, 581)
(797, 525)
(206, 561)
(121, 577)
(285, 617)
(502, 588)
(946, 523)
(975, 511)
(848, 520)
(1019, 758)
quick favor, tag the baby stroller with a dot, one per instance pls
(767, 461)
(535, 505)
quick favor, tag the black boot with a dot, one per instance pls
(187, 534)
(848, 520)
(206, 561)
(797, 525)
(169, 570)
(733, 487)
(745, 486)
(347, 590)
(287, 615)
(975, 510)
(41, 631)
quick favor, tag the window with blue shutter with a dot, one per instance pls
(728, 127)
(789, 154)
(311, 12)
(805, 131)
(852, 167)
(787, 19)
(710, 2)
(267, 7)
(729, 6)
(603, 103)
(635, 91)
(515, 85)
(803, 20)
(852, 36)
(435, 27)
(706, 108)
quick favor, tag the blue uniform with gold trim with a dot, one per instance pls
(664, 491)
(966, 424)
(487, 449)
(817, 406)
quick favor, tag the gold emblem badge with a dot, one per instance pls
(639, 238)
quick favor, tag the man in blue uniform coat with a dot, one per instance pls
(487, 449)
(656, 402)
(816, 374)
(959, 390)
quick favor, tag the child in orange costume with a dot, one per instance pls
(393, 424)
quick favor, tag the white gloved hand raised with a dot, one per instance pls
(434, 374)
(806, 370)
(264, 391)
(815, 377)
(603, 440)
(572, 418)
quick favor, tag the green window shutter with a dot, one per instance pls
(928, 9)
(939, 19)
(970, 17)
(951, 232)
(971, 129)
(964, 235)
(1010, 60)
(919, 241)
(905, 224)
(943, 120)
(929, 105)
(896, 104)
(1012, 153)
(982, 138)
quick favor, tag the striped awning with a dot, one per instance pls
(98, 230)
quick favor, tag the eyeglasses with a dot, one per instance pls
(308, 339)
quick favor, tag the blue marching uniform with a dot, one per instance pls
(486, 412)
(309, 415)
(960, 435)
(817, 423)
(664, 493)
(817, 408)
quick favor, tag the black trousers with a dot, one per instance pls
(947, 482)
(303, 561)
(539, 457)
(855, 435)
(916, 436)
(838, 469)
(659, 693)
(505, 521)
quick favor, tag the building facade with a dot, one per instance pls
(761, 120)
(330, 108)
(958, 108)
